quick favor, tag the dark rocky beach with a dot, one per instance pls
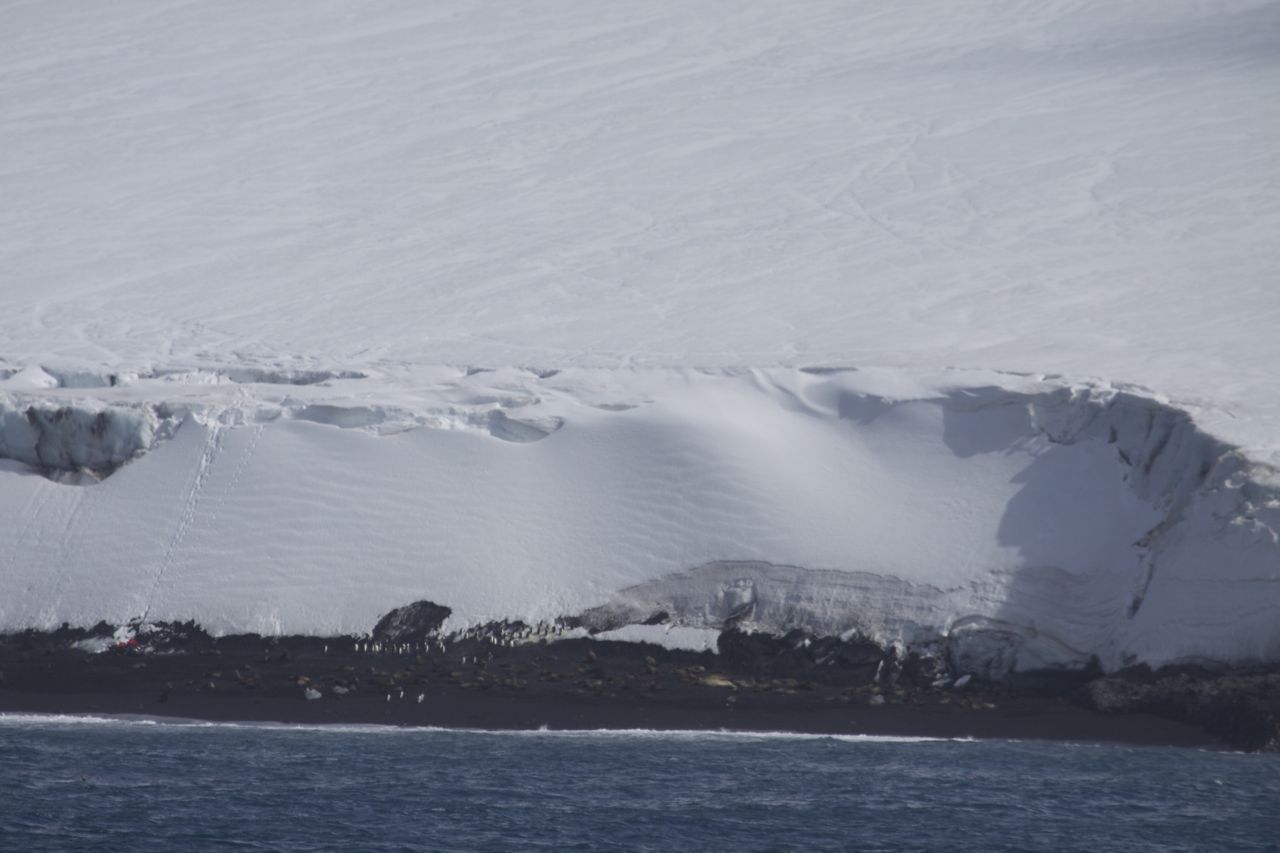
(505, 676)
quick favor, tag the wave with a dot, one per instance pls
(20, 719)
(40, 720)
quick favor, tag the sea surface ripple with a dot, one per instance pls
(97, 783)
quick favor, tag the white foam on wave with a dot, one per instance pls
(713, 734)
(41, 720)
(25, 719)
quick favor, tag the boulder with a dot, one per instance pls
(411, 623)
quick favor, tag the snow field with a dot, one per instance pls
(518, 307)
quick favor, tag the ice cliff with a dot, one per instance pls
(1031, 521)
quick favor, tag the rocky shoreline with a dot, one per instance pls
(513, 676)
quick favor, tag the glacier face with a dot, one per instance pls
(350, 305)
(1067, 521)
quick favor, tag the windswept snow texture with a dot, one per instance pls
(353, 304)
(1081, 187)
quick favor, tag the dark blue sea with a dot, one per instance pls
(117, 785)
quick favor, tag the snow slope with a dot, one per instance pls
(262, 249)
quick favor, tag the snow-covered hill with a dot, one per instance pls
(544, 309)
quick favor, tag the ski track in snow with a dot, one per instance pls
(534, 310)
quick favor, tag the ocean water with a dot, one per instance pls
(75, 783)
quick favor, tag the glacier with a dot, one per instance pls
(1064, 522)
(924, 321)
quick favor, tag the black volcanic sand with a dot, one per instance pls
(566, 684)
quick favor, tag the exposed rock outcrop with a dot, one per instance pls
(1240, 706)
(411, 623)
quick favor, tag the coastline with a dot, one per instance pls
(567, 685)
(1059, 722)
